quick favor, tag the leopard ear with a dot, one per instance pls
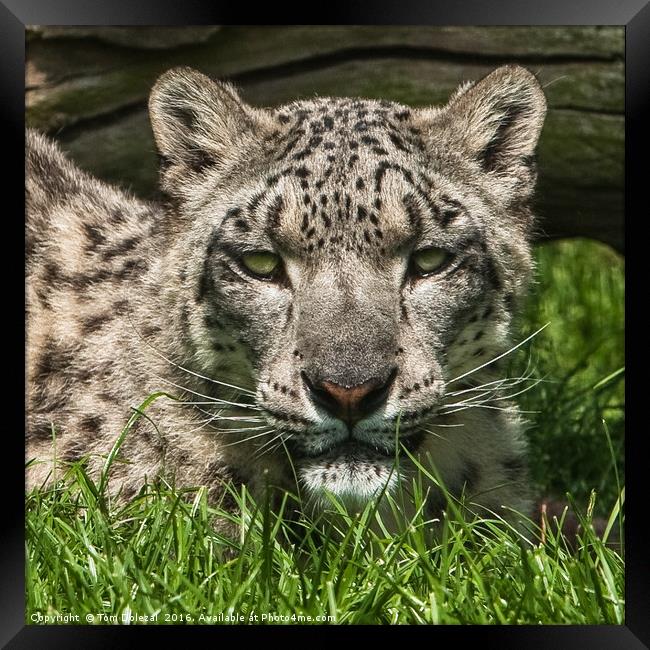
(497, 122)
(197, 123)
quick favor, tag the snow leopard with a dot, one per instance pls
(322, 299)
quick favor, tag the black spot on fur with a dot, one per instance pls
(313, 142)
(290, 145)
(95, 236)
(382, 168)
(233, 213)
(447, 215)
(404, 311)
(91, 424)
(326, 220)
(117, 216)
(71, 454)
(254, 203)
(120, 306)
(397, 141)
(242, 224)
(199, 161)
(492, 274)
(55, 359)
(81, 281)
(109, 397)
(95, 323)
(121, 248)
(412, 210)
(132, 269)
(149, 331)
(41, 430)
(206, 280)
(274, 211)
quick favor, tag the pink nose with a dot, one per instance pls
(350, 403)
(348, 400)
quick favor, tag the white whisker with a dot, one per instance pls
(503, 354)
(257, 435)
(433, 433)
(187, 370)
(483, 406)
(193, 392)
(519, 392)
(497, 384)
(216, 401)
(258, 455)
(446, 426)
(218, 427)
(232, 418)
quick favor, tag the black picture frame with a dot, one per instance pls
(16, 14)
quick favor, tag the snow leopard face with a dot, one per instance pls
(355, 260)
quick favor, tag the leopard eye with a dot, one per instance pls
(262, 264)
(430, 260)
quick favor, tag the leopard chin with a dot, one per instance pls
(351, 473)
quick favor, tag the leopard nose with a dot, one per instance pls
(350, 403)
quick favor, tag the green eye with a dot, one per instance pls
(262, 264)
(430, 260)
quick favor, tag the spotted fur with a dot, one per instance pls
(126, 298)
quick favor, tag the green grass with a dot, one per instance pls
(159, 555)
(579, 290)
